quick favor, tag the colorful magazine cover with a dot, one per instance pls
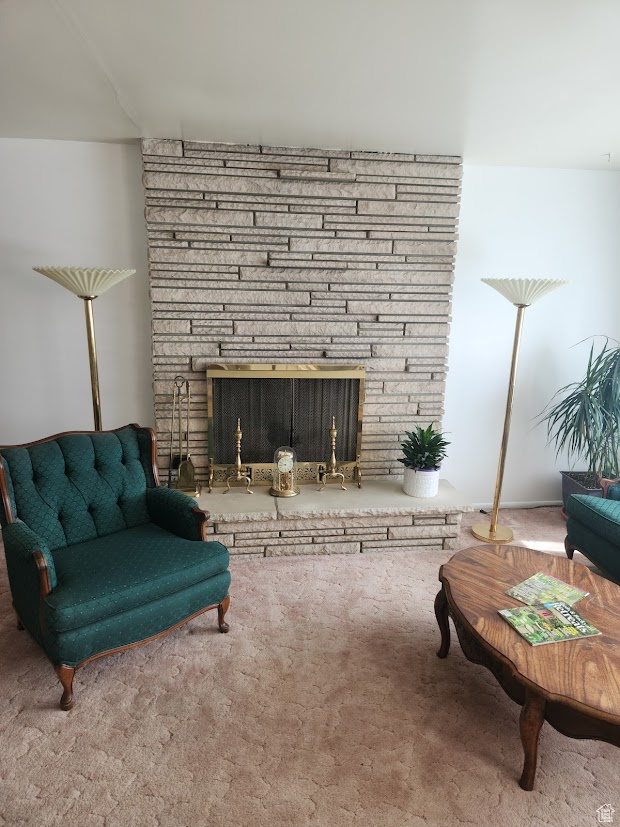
(550, 623)
(544, 588)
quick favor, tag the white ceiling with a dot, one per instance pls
(532, 82)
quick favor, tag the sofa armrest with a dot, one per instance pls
(29, 560)
(613, 492)
(176, 512)
(611, 488)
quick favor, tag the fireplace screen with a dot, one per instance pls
(278, 405)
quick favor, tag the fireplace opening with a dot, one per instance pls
(277, 405)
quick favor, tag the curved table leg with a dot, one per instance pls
(441, 613)
(530, 723)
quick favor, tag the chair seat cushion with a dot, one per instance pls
(135, 625)
(599, 515)
(119, 572)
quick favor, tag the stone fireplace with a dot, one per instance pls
(277, 405)
(302, 256)
(277, 256)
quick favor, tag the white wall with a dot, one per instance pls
(64, 202)
(525, 222)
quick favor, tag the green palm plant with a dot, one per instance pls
(424, 449)
(585, 419)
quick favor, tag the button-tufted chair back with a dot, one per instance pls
(76, 487)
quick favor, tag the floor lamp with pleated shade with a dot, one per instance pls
(87, 283)
(522, 293)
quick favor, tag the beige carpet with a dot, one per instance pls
(325, 705)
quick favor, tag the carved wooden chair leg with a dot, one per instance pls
(221, 611)
(570, 549)
(65, 674)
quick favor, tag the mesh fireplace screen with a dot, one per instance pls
(315, 401)
(293, 409)
(264, 408)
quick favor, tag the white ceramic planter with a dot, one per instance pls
(421, 483)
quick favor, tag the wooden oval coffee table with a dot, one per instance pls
(574, 685)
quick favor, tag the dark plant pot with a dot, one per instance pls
(579, 482)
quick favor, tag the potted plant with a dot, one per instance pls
(585, 421)
(423, 452)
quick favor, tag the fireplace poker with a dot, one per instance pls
(186, 475)
(176, 391)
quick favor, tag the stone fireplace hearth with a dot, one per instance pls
(379, 517)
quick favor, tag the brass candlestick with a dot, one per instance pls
(241, 472)
(332, 471)
(211, 473)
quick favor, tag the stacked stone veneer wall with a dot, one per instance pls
(346, 534)
(275, 254)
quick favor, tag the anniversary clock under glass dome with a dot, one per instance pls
(284, 473)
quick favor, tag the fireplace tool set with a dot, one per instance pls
(182, 462)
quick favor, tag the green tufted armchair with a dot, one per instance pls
(99, 557)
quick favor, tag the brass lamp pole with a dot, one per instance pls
(522, 293)
(92, 358)
(87, 283)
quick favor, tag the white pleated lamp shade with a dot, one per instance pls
(524, 292)
(84, 281)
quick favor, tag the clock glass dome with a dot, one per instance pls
(284, 473)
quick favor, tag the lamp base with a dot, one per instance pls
(482, 531)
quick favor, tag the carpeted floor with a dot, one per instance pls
(325, 705)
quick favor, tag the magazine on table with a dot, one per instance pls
(543, 588)
(549, 623)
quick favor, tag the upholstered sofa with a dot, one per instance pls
(100, 558)
(593, 528)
